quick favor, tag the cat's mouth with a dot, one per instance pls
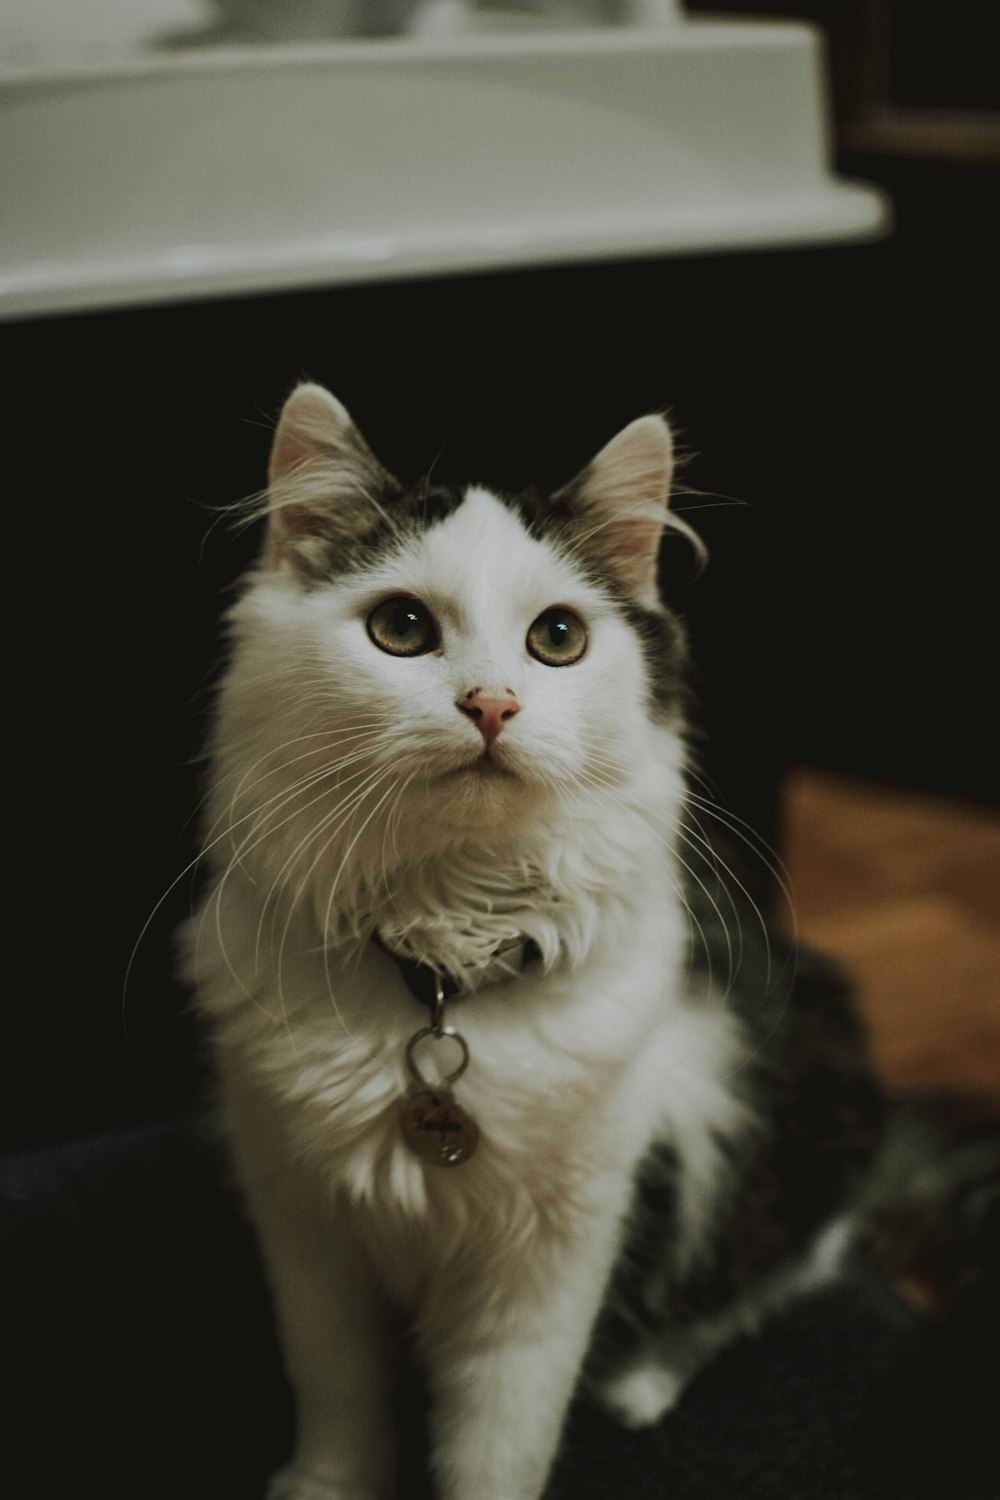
(484, 767)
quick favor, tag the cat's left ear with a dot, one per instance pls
(619, 503)
(323, 481)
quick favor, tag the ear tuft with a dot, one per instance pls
(638, 462)
(324, 481)
(620, 501)
(310, 422)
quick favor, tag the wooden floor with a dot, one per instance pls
(905, 889)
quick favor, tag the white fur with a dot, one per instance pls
(342, 802)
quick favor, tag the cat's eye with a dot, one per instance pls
(558, 637)
(402, 627)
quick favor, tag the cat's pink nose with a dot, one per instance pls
(488, 714)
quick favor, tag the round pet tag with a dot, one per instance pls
(438, 1129)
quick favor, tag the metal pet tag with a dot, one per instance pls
(436, 1128)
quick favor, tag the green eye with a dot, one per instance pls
(558, 638)
(402, 627)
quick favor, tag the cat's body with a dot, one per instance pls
(453, 723)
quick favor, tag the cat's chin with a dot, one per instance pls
(483, 789)
(482, 771)
(490, 767)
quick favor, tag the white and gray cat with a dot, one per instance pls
(504, 1053)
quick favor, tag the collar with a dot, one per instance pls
(430, 985)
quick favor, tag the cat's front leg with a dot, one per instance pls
(332, 1321)
(503, 1355)
(337, 1355)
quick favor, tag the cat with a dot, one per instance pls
(300, 20)
(505, 1051)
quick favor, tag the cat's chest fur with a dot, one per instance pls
(571, 1075)
(572, 1064)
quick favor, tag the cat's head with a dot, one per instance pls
(470, 654)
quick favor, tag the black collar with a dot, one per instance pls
(428, 984)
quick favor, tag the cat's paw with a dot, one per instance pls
(641, 1394)
(294, 1483)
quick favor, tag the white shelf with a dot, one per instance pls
(132, 174)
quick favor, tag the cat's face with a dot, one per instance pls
(454, 652)
(485, 666)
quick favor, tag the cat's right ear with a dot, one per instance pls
(619, 505)
(323, 481)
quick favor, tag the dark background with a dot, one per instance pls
(838, 409)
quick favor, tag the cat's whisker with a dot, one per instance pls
(712, 856)
(161, 901)
(693, 834)
(244, 786)
(758, 847)
(261, 816)
(698, 847)
(768, 858)
(338, 816)
(330, 899)
(593, 779)
(781, 982)
(391, 830)
(273, 903)
(705, 852)
(258, 833)
(265, 822)
(212, 840)
(329, 739)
